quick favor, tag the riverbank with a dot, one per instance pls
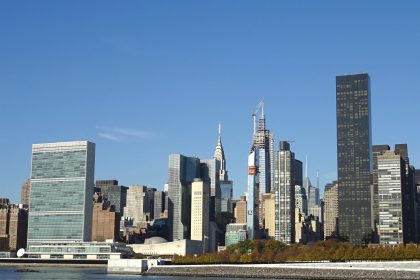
(24, 262)
(307, 271)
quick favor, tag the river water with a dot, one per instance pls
(41, 273)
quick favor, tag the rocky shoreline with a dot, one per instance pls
(279, 272)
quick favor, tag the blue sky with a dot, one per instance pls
(144, 79)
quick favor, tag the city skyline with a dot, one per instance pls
(136, 105)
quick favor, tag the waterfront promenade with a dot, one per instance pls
(318, 270)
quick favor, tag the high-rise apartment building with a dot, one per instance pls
(354, 157)
(25, 193)
(285, 194)
(331, 209)
(391, 183)
(114, 193)
(200, 204)
(182, 171)
(377, 150)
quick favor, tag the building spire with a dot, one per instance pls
(219, 154)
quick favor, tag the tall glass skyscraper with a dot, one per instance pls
(62, 183)
(253, 195)
(354, 157)
(263, 140)
(182, 171)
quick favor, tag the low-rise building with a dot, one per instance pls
(80, 251)
(157, 246)
(235, 233)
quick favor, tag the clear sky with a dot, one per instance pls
(144, 79)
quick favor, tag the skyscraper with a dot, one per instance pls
(263, 140)
(25, 193)
(200, 203)
(252, 200)
(62, 183)
(159, 205)
(391, 187)
(226, 186)
(182, 171)
(114, 193)
(377, 150)
(331, 209)
(354, 157)
(285, 194)
(135, 204)
(240, 211)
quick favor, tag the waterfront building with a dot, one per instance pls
(25, 193)
(331, 209)
(354, 157)
(200, 204)
(62, 181)
(235, 233)
(269, 202)
(157, 246)
(114, 193)
(285, 194)
(135, 204)
(80, 251)
(253, 203)
(182, 171)
(240, 211)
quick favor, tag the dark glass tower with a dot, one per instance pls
(354, 157)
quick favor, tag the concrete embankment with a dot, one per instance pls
(302, 271)
(24, 262)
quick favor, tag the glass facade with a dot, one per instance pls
(235, 233)
(116, 195)
(354, 157)
(182, 171)
(253, 195)
(61, 192)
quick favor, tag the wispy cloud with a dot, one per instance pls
(124, 134)
(109, 136)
